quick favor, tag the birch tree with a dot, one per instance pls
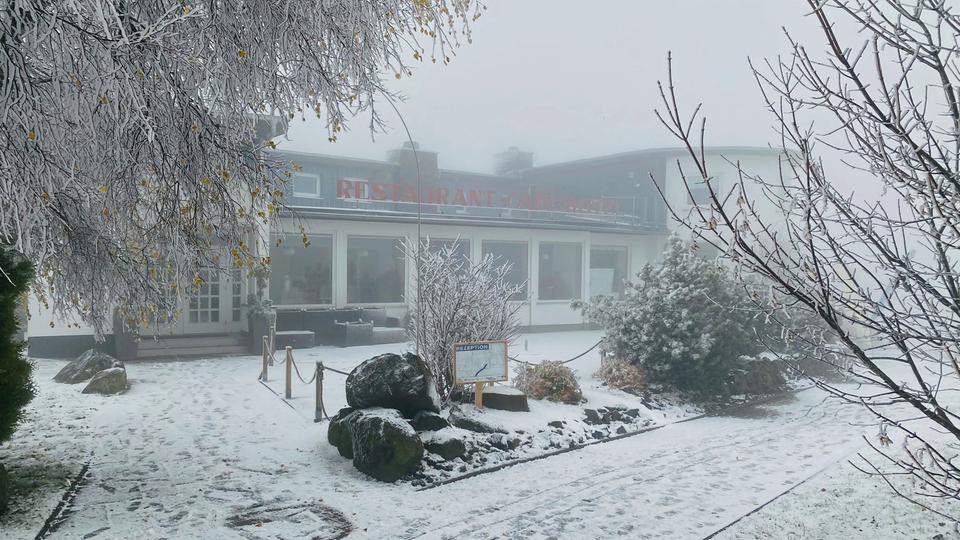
(881, 274)
(132, 147)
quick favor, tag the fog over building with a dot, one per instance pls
(569, 230)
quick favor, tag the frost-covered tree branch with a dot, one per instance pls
(881, 274)
(458, 301)
(131, 154)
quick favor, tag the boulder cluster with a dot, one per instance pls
(106, 374)
(387, 396)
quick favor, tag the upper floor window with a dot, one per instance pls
(306, 185)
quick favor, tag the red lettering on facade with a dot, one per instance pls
(344, 188)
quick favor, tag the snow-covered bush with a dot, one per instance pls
(684, 321)
(755, 377)
(457, 301)
(548, 380)
(620, 375)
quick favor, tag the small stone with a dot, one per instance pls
(598, 435)
(592, 416)
(556, 424)
(447, 447)
(429, 421)
(632, 413)
(462, 421)
(621, 430)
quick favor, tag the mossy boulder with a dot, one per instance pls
(339, 433)
(384, 445)
(108, 382)
(85, 366)
(393, 381)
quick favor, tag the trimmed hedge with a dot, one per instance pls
(16, 387)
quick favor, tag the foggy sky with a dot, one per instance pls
(569, 79)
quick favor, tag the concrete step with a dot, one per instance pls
(167, 342)
(193, 352)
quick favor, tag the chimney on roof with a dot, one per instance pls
(511, 162)
(406, 160)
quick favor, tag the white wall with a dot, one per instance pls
(722, 166)
(43, 323)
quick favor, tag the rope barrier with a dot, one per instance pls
(320, 411)
(299, 376)
(581, 355)
(344, 373)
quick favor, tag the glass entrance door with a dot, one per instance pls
(206, 307)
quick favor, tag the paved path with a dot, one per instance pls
(683, 481)
(205, 452)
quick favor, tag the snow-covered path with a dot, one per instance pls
(199, 449)
(187, 450)
(683, 481)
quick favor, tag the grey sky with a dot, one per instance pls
(568, 79)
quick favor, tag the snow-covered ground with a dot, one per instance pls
(199, 449)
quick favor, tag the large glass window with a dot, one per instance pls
(460, 246)
(561, 271)
(301, 274)
(375, 270)
(306, 185)
(608, 270)
(514, 254)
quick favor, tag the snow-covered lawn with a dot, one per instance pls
(199, 449)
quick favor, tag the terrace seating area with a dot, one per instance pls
(302, 328)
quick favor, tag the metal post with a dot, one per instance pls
(318, 408)
(264, 354)
(288, 393)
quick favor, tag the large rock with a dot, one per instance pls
(107, 382)
(505, 398)
(4, 489)
(340, 434)
(428, 421)
(394, 382)
(384, 445)
(85, 366)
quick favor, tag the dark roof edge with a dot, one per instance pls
(476, 221)
(666, 150)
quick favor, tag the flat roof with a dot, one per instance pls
(609, 158)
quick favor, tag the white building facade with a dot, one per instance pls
(569, 230)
